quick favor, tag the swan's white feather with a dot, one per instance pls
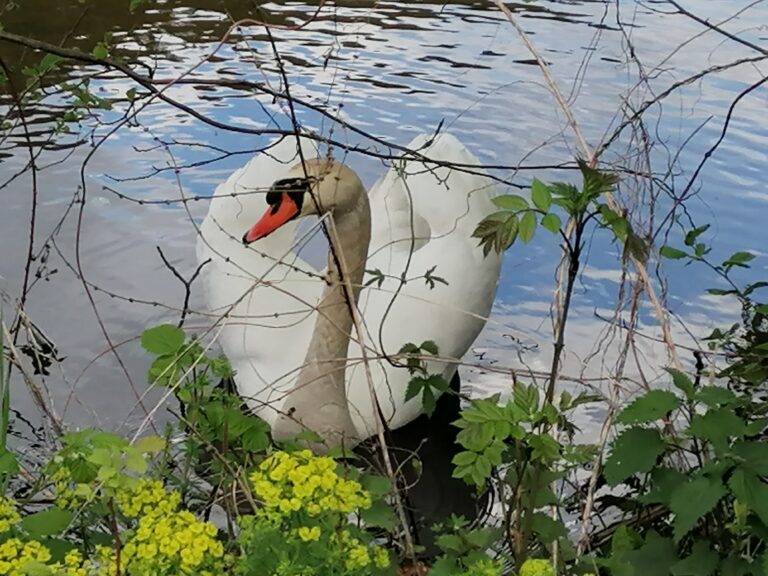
(422, 216)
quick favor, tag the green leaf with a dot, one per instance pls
(163, 339)
(714, 396)
(511, 202)
(428, 401)
(527, 227)
(664, 481)
(692, 235)
(649, 407)
(634, 450)
(414, 387)
(46, 523)
(162, 370)
(465, 458)
(379, 514)
(100, 51)
(750, 490)
(654, 558)
(135, 461)
(150, 444)
(739, 259)
(551, 222)
(540, 195)
(49, 62)
(717, 425)
(754, 455)
(376, 485)
(135, 4)
(672, 253)
(694, 499)
(682, 382)
(547, 528)
(702, 561)
(430, 347)
(8, 463)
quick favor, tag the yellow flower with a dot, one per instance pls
(536, 567)
(8, 514)
(309, 534)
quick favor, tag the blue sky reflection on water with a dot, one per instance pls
(398, 75)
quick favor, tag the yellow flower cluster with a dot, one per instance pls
(16, 556)
(150, 498)
(536, 567)
(167, 541)
(70, 495)
(360, 556)
(8, 514)
(289, 482)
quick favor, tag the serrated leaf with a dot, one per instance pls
(682, 382)
(540, 195)
(702, 561)
(163, 339)
(527, 227)
(430, 347)
(749, 489)
(672, 253)
(46, 523)
(694, 499)
(428, 401)
(548, 529)
(511, 202)
(135, 461)
(714, 396)
(717, 425)
(754, 455)
(649, 407)
(634, 451)
(414, 387)
(551, 222)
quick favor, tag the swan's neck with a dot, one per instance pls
(318, 401)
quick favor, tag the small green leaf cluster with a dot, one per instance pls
(429, 386)
(519, 217)
(465, 549)
(712, 514)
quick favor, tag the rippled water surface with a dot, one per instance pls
(394, 70)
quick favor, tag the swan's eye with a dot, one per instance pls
(293, 187)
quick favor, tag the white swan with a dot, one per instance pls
(297, 368)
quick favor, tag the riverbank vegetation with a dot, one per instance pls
(672, 482)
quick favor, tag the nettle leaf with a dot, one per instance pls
(717, 425)
(702, 561)
(634, 451)
(163, 339)
(649, 407)
(714, 396)
(754, 455)
(527, 227)
(46, 523)
(547, 528)
(511, 202)
(551, 222)
(749, 489)
(682, 382)
(672, 253)
(540, 195)
(694, 499)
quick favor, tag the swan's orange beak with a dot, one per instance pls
(276, 216)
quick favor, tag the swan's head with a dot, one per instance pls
(319, 186)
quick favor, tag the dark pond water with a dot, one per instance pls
(393, 69)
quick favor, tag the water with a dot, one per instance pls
(394, 70)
